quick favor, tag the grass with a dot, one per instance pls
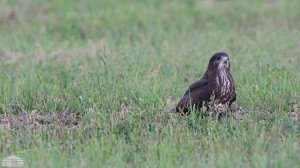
(119, 64)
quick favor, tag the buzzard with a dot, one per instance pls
(215, 90)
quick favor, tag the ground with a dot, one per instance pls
(91, 83)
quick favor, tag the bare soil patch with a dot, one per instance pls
(36, 121)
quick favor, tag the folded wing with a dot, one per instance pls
(196, 94)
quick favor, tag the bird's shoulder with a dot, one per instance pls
(202, 83)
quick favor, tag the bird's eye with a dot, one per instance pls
(218, 58)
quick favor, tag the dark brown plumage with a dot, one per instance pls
(215, 89)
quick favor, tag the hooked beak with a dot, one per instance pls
(227, 61)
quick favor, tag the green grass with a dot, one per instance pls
(99, 58)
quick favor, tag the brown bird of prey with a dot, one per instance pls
(215, 90)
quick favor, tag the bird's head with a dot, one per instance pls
(219, 61)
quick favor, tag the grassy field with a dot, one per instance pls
(120, 65)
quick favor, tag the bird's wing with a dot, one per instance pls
(197, 93)
(198, 84)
